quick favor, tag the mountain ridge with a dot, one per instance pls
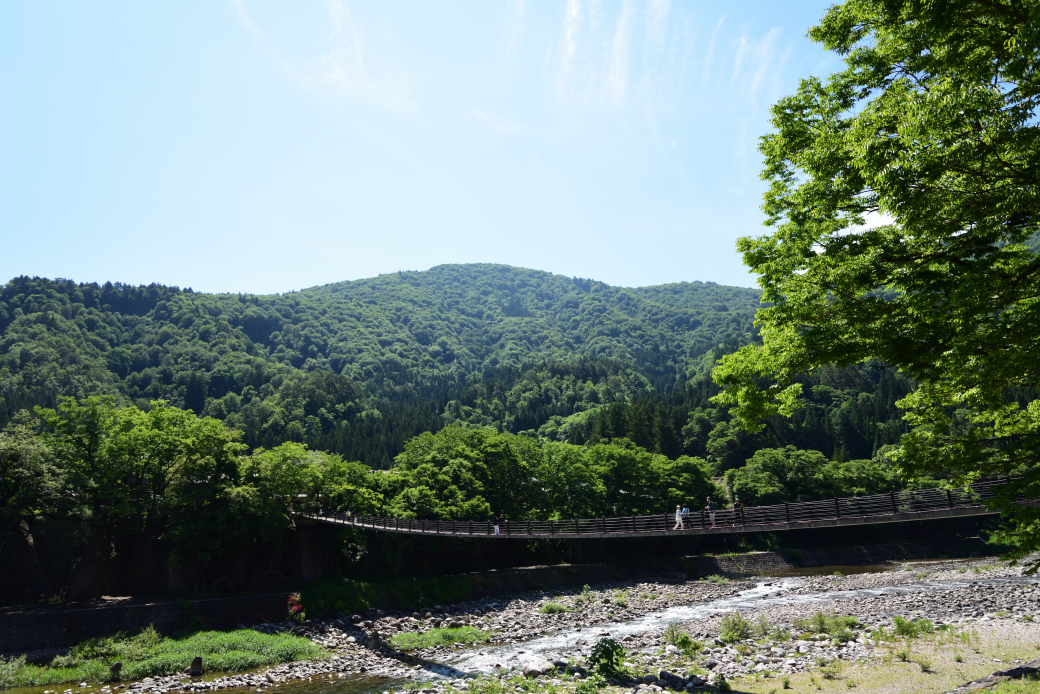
(288, 366)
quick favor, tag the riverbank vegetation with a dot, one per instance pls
(447, 636)
(149, 654)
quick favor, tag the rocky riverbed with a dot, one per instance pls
(548, 637)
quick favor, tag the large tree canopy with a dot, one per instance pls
(931, 129)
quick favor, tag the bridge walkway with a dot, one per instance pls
(894, 507)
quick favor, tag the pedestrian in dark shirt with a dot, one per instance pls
(738, 512)
(495, 522)
(710, 508)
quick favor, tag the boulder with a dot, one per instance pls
(114, 670)
(670, 680)
(195, 669)
(537, 668)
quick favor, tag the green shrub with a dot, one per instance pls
(734, 627)
(608, 658)
(552, 608)
(585, 597)
(823, 623)
(9, 668)
(717, 580)
(688, 645)
(911, 628)
(843, 635)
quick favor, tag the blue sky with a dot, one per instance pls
(269, 146)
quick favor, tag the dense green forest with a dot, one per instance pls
(359, 368)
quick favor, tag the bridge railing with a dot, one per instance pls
(891, 504)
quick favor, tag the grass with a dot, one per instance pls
(716, 579)
(414, 640)
(621, 598)
(149, 654)
(1023, 686)
(552, 608)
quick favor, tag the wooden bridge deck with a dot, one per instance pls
(895, 507)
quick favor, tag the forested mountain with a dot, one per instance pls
(356, 367)
(360, 367)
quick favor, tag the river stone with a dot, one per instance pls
(537, 668)
(195, 669)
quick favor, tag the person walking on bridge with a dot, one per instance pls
(738, 511)
(495, 523)
(710, 508)
(678, 518)
(685, 515)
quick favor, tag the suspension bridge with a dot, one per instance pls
(894, 507)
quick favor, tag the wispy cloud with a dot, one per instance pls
(709, 55)
(754, 62)
(360, 63)
(619, 58)
(514, 30)
(501, 125)
(568, 45)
